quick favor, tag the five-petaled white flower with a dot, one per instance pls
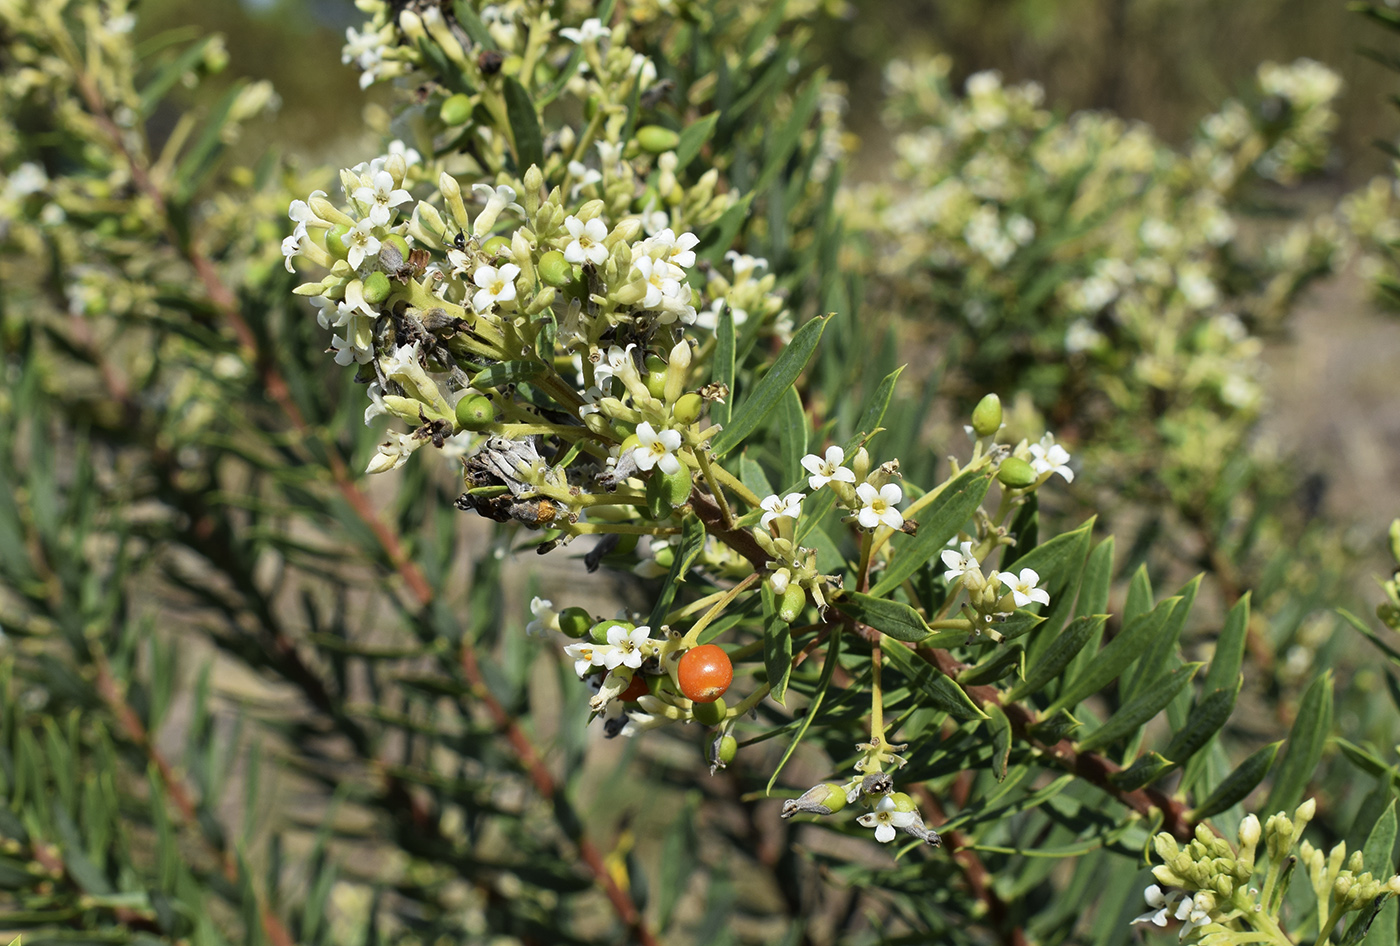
(885, 818)
(1023, 589)
(291, 247)
(587, 243)
(658, 278)
(1049, 457)
(381, 198)
(878, 508)
(625, 647)
(360, 242)
(785, 507)
(656, 449)
(496, 285)
(587, 654)
(825, 470)
(959, 562)
(546, 618)
(591, 31)
(1163, 904)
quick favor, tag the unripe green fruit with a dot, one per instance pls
(599, 631)
(496, 246)
(656, 377)
(710, 714)
(398, 243)
(658, 496)
(728, 749)
(677, 485)
(1016, 473)
(664, 556)
(903, 802)
(656, 139)
(457, 110)
(794, 600)
(575, 622)
(475, 411)
(687, 409)
(335, 241)
(986, 416)
(555, 270)
(631, 441)
(835, 797)
(376, 288)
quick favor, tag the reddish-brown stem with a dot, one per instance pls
(412, 576)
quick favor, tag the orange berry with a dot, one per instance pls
(705, 672)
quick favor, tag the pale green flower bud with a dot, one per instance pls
(442, 35)
(860, 465)
(591, 209)
(626, 231)
(1223, 885)
(1165, 875)
(397, 167)
(534, 183)
(1306, 811)
(452, 196)
(1355, 863)
(1249, 832)
(329, 212)
(1165, 845)
(677, 369)
(429, 225)
(411, 25)
(1395, 540)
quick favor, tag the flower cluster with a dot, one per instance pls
(888, 812)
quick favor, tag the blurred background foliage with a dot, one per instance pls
(301, 575)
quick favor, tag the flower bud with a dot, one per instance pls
(687, 409)
(475, 412)
(1016, 473)
(709, 714)
(860, 465)
(986, 416)
(574, 622)
(1395, 540)
(1305, 811)
(456, 110)
(555, 270)
(397, 167)
(1249, 831)
(452, 196)
(534, 183)
(656, 139)
(376, 288)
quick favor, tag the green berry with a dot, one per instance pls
(555, 270)
(677, 485)
(575, 622)
(794, 600)
(457, 110)
(709, 714)
(658, 496)
(728, 748)
(475, 412)
(656, 139)
(687, 409)
(1016, 473)
(496, 246)
(599, 631)
(398, 243)
(986, 416)
(376, 288)
(335, 241)
(656, 376)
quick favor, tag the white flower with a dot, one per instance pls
(885, 818)
(1162, 904)
(1023, 589)
(744, 265)
(498, 199)
(786, 507)
(679, 250)
(360, 242)
(709, 319)
(591, 31)
(1049, 457)
(1198, 910)
(656, 449)
(657, 276)
(587, 243)
(381, 197)
(879, 507)
(376, 402)
(825, 470)
(546, 618)
(617, 361)
(410, 155)
(496, 285)
(959, 562)
(393, 453)
(291, 246)
(585, 175)
(625, 647)
(587, 654)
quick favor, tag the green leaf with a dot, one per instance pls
(195, 167)
(1366, 761)
(1147, 769)
(1139, 595)
(1060, 563)
(1021, 623)
(1238, 783)
(771, 388)
(1048, 666)
(506, 372)
(792, 436)
(753, 477)
(1120, 652)
(524, 125)
(1206, 719)
(874, 413)
(1000, 728)
(1224, 668)
(1378, 854)
(941, 692)
(471, 23)
(693, 138)
(1306, 741)
(724, 364)
(172, 72)
(676, 863)
(894, 618)
(823, 685)
(1098, 578)
(692, 541)
(1003, 661)
(1133, 714)
(1162, 648)
(955, 504)
(777, 647)
(781, 143)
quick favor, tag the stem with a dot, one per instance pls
(732, 481)
(692, 636)
(708, 469)
(622, 528)
(877, 706)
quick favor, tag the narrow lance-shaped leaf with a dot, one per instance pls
(1225, 666)
(771, 388)
(724, 365)
(693, 138)
(874, 414)
(894, 618)
(1238, 783)
(777, 646)
(1120, 652)
(940, 691)
(823, 685)
(1137, 711)
(1000, 728)
(792, 436)
(1306, 741)
(1206, 719)
(946, 515)
(1162, 648)
(1379, 855)
(1057, 655)
(692, 541)
(1004, 660)
(524, 125)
